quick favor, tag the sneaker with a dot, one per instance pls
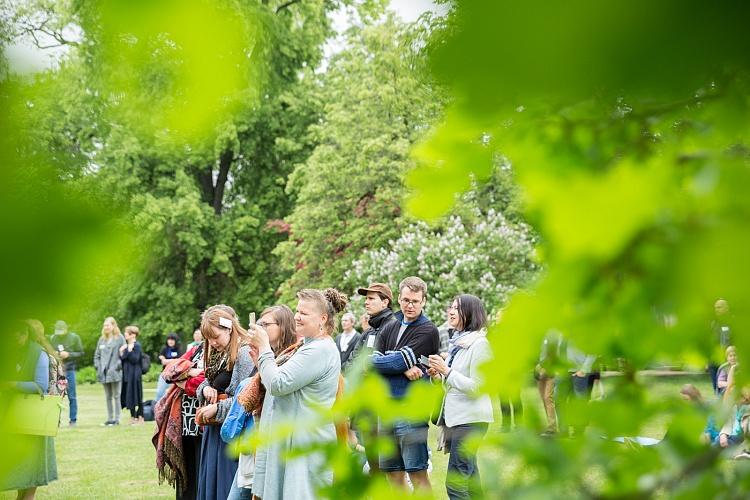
(72, 423)
(106, 424)
(744, 455)
(548, 434)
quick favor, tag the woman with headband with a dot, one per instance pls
(226, 363)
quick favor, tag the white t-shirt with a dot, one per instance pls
(346, 337)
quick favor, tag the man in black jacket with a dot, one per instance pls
(378, 304)
(398, 349)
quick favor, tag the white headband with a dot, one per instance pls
(225, 322)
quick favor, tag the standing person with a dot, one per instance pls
(574, 390)
(278, 322)
(466, 412)
(226, 363)
(545, 374)
(70, 350)
(178, 437)
(109, 368)
(34, 371)
(397, 351)
(131, 396)
(295, 393)
(379, 312)
(197, 338)
(347, 340)
(169, 352)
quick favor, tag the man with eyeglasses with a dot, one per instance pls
(398, 349)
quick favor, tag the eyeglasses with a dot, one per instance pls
(263, 324)
(407, 302)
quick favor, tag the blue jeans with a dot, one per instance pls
(70, 374)
(161, 388)
(411, 453)
(462, 480)
(238, 493)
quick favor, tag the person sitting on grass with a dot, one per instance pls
(734, 430)
(722, 374)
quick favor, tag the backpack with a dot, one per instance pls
(145, 363)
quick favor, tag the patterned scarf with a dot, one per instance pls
(167, 439)
(215, 364)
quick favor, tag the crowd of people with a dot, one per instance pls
(273, 377)
(276, 375)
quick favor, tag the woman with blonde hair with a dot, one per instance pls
(296, 391)
(109, 368)
(226, 362)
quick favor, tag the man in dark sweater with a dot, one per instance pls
(70, 349)
(398, 348)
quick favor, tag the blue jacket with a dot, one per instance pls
(391, 358)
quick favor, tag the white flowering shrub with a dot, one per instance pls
(488, 258)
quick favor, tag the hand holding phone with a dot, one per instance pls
(251, 319)
(424, 360)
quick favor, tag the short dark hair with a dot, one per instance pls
(471, 312)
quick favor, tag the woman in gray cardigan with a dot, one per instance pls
(109, 368)
(466, 412)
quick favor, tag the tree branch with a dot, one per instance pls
(286, 5)
(225, 162)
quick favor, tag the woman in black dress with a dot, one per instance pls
(131, 396)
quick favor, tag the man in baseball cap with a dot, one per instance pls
(381, 289)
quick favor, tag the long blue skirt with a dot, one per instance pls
(217, 469)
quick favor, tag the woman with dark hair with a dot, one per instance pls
(296, 391)
(170, 352)
(278, 321)
(466, 412)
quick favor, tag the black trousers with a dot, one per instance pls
(463, 481)
(191, 450)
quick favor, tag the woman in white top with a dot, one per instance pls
(466, 412)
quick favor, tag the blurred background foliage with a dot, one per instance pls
(184, 154)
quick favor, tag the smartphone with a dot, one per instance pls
(252, 319)
(424, 360)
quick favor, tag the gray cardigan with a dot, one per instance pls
(242, 369)
(107, 359)
(463, 403)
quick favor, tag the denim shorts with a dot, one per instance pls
(410, 440)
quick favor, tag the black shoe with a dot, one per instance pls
(106, 424)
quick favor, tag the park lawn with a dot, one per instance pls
(119, 462)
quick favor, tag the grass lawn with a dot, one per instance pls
(119, 462)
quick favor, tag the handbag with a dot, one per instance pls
(34, 414)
